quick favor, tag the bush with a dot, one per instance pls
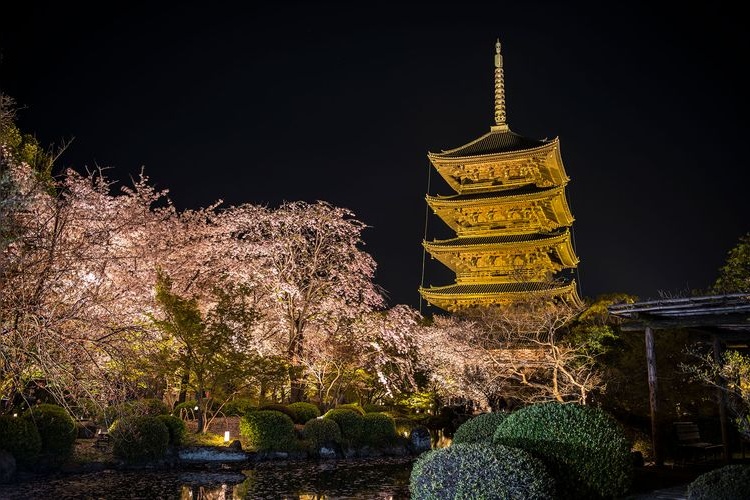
(136, 439)
(370, 408)
(378, 429)
(20, 438)
(584, 448)
(351, 406)
(151, 407)
(267, 430)
(350, 422)
(321, 432)
(479, 470)
(289, 412)
(728, 483)
(479, 429)
(238, 407)
(57, 430)
(304, 412)
(176, 427)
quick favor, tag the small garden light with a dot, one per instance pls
(226, 436)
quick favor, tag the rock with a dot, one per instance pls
(7, 467)
(419, 439)
(324, 452)
(235, 445)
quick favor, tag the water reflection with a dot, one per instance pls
(385, 478)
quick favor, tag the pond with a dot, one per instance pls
(376, 478)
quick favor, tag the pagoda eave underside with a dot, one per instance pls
(453, 302)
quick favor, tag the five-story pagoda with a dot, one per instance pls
(510, 216)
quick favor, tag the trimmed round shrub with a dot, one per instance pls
(321, 432)
(137, 439)
(20, 438)
(281, 409)
(238, 407)
(267, 430)
(176, 427)
(479, 429)
(378, 429)
(370, 408)
(151, 407)
(350, 422)
(351, 406)
(731, 482)
(479, 470)
(304, 411)
(584, 448)
(57, 430)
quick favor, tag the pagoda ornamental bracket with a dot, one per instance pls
(510, 216)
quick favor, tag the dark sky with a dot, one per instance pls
(342, 102)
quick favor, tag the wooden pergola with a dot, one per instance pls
(723, 320)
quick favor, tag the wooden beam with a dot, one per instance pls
(653, 397)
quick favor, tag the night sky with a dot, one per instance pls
(342, 102)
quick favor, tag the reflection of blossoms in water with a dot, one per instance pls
(377, 478)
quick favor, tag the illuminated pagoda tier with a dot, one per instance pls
(510, 216)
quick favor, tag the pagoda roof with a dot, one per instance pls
(499, 288)
(493, 142)
(506, 193)
(499, 239)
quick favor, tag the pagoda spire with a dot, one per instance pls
(500, 124)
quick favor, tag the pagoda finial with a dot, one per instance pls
(499, 90)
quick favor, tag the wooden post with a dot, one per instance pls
(721, 400)
(653, 396)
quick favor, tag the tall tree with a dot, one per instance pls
(734, 275)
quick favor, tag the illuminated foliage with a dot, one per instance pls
(734, 276)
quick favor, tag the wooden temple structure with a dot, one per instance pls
(510, 216)
(722, 321)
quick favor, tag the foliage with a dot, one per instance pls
(478, 470)
(238, 407)
(479, 429)
(378, 429)
(583, 447)
(734, 276)
(321, 432)
(20, 438)
(730, 375)
(350, 422)
(203, 344)
(56, 429)
(176, 427)
(137, 439)
(304, 411)
(731, 482)
(351, 406)
(281, 408)
(267, 430)
(151, 407)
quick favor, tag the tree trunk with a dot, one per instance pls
(297, 392)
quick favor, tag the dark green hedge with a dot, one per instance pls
(351, 424)
(304, 411)
(731, 482)
(267, 430)
(321, 432)
(137, 439)
(479, 429)
(57, 430)
(378, 429)
(238, 407)
(176, 427)
(20, 438)
(584, 448)
(479, 471)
